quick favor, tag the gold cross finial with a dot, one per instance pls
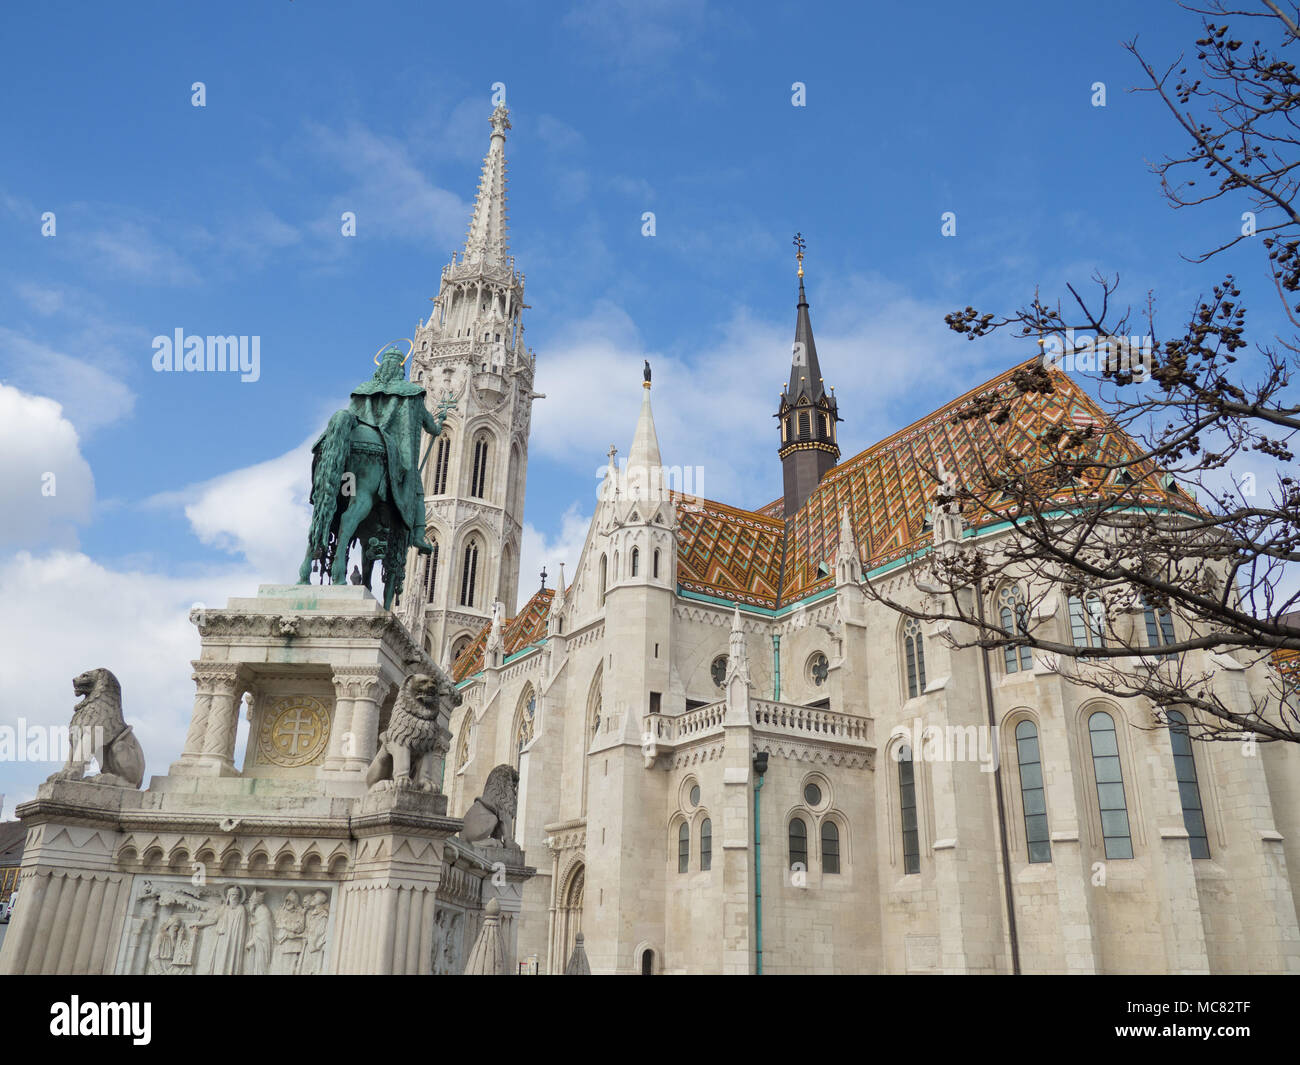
(800, 244)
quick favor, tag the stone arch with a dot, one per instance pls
(568, 915)
(592, 728)
(523, 729)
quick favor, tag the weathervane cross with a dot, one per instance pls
(800, 245)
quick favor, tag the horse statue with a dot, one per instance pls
(366, 483)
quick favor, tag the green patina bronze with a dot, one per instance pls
(366, 484)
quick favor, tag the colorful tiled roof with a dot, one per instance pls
(755, 557)
(729, 553)
(528, 626)
(726, 552)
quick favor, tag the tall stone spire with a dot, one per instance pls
(807, 412)
(487, 242)
(471, 353)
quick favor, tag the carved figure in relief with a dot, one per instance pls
(99, 731)
(414, 731)
(318, 915)
(261, 934)
(162, 951)
(229, 923)
(291, 934)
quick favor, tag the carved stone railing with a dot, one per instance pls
(813, 724)
(701, 719)
(804, 722)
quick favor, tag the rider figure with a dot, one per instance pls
(395, 409)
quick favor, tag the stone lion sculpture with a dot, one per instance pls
(414, 731)
(99, 732)
(492, 817)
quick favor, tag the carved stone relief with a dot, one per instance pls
(175, 927)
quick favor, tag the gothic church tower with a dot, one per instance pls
(807, 413)
(470, 354)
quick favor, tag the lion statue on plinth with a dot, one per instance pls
(99, 732)
(491, 819)
(414, 732)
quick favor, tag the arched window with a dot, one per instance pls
(478, 472)
(914, 652)
(431, 574)
(469, 573)
(604, 574)
(1014, 615)
(1189, 789)
(907, 807)
(684, 848)
(706, 845)
(647, 963)
(636, 561)
(524, 732)
(462, 746)
(441, 462)
(1160, 627)
(655, 572)
(805, 424)
(798, 843)
(1032, 795)
(460, 646)
(830, 847)
(1087, 621)
(1110, 785)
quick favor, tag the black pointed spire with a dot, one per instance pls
(805, 370)
(807, 414)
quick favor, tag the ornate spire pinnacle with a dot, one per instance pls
(805, 370)
(848, 563)
(486, 242)
(737, 652)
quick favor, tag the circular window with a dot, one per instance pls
(718, 671)
(818, 669)
(812, 795)
(695, 795)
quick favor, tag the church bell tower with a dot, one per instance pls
(470, 353)
(807, 413)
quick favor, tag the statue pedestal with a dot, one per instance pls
(286, 863)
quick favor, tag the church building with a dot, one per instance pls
(716, 728)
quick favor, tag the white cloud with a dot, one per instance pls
(259, 512)
(537, 550)
(889, 356)
(41, 299)
(46, 486)
(91, 396)
(390, 193)
(131, 251)
(66, 613)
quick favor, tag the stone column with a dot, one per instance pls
(342, 743)
(370, 689)
(193, 750)
(223, 719)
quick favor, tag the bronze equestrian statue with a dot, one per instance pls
(366, 480)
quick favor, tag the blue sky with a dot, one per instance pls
(176, 488)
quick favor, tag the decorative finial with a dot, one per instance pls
(543, 578)
(800, 244)
(645, 374)
(501, 119)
